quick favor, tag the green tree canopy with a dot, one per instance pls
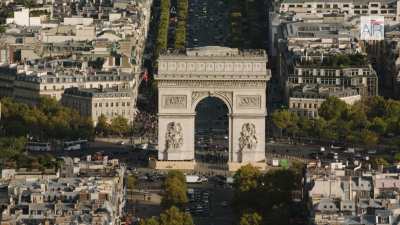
(119, 125)
(131, 182)
(47, 120)
(149, 221)
(175, 190)
(173, 216)
(332, 108)
(285, 119)
(250, 219)
(246, 178)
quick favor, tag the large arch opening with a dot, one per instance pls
(212, 131)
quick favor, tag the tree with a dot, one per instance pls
(284, 119)
(175, 190)
(379, 161)
(47, 120)
(250, 219)
(173, 216)
(378, 125)
(332, 108)
(397, 157)
(246, 178)
(178, 174)
(376, 106)
(119, 125)
(102, 127)
(149, 221)
(131, 182)
(369, 138)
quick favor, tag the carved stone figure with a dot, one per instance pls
(174, 136)
(248, 139)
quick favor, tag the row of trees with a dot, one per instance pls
(47, 120)
(175, 190)
(265, 198)
(180, 32)
(366, 122)
(173, 201)
(247, 19)
(13, 155)
(171, 216)
(163, 25)
(117, 126)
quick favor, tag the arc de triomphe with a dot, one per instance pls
(238, 78)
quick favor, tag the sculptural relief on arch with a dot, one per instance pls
(237, 78)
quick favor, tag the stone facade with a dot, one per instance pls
(307, 99)
(303, 8)
(110, 102)
(237, 78)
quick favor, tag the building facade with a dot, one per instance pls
(361, 78)
(307, 99)
(94, 102)
(387, 8)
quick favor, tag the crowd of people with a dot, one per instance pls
(146, 125)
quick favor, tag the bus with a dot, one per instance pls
(75, 145)
(38, 146)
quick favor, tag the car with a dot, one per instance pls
(372, 151)
(224, 203)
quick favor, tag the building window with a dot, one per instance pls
(128, 104)
(100, 104)
(45, 87)
(319, 6)
(95, 104)
(54, 87)
(123, 104)
(112, 104)
(116, 104)
(107, 104)
(315, 106)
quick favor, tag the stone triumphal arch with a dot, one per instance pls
(238, 78)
